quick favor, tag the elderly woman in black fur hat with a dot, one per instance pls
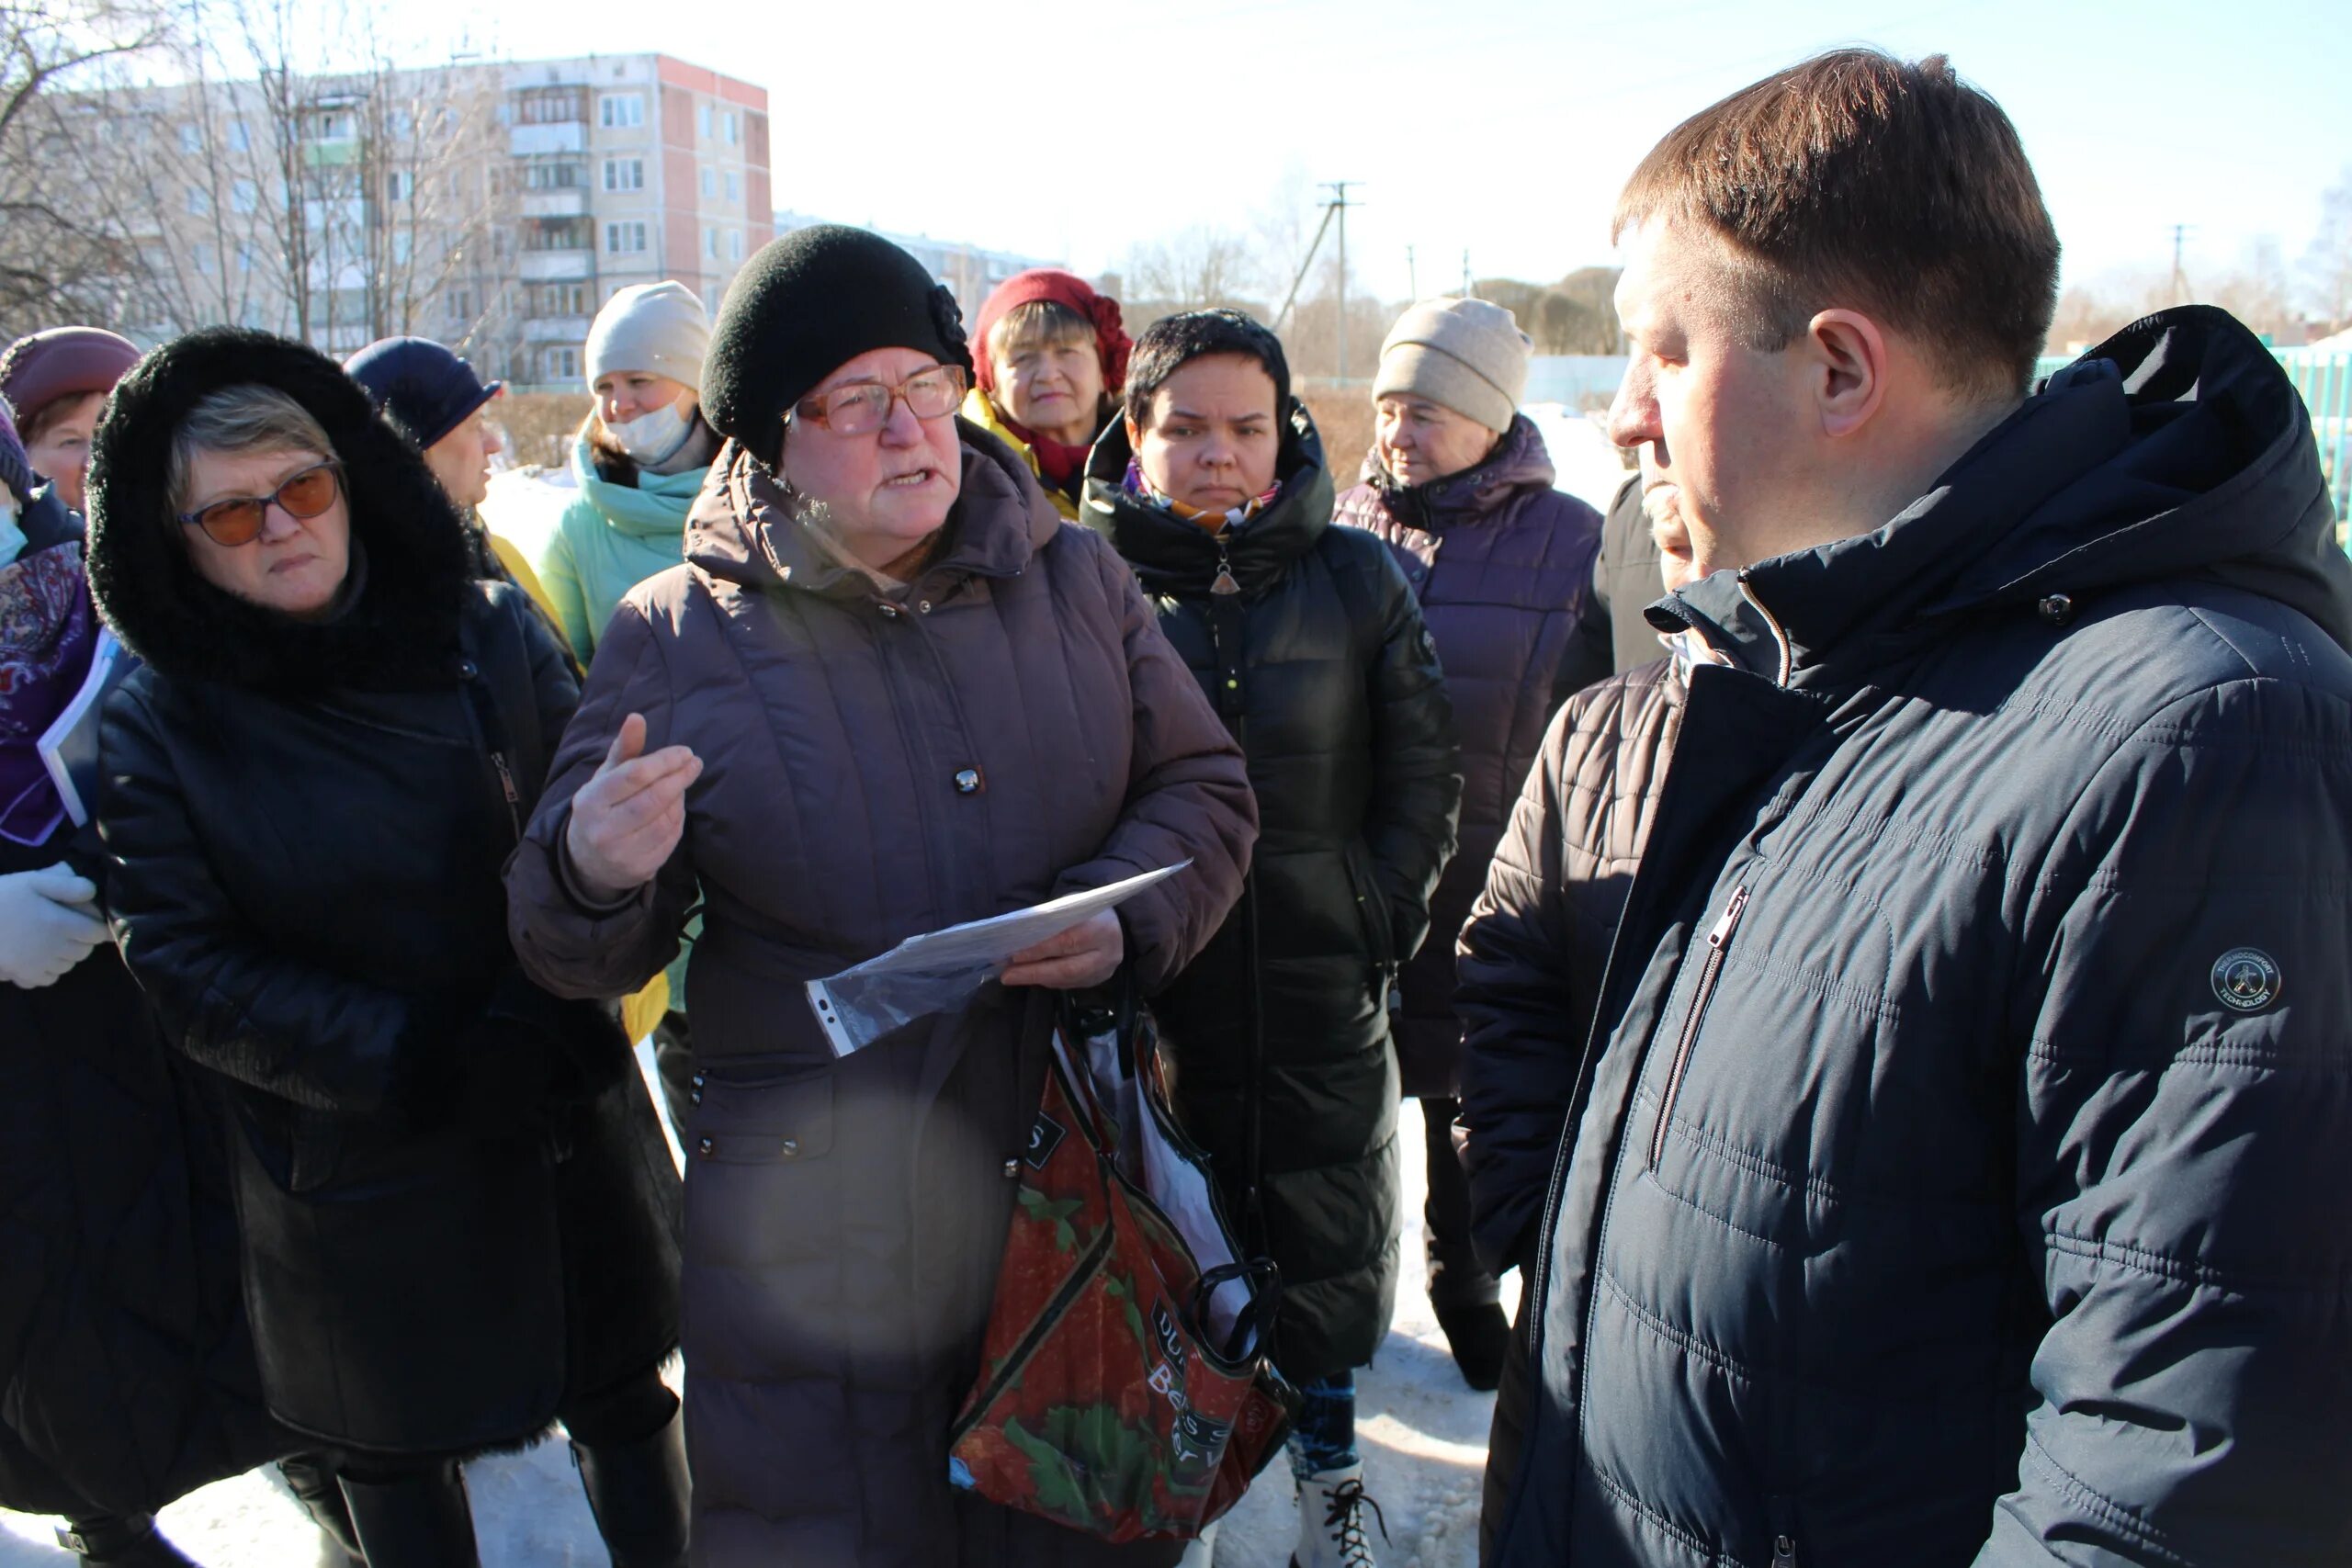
(458, 1214)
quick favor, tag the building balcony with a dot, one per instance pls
(555, 329)
(560, 203)
(558, 267)
(540, 141)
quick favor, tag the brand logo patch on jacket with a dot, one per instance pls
(2247, 979)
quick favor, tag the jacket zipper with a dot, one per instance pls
(1717, 940)
(1082, 1274)
(514, 796)
(1784, 1532)
(1785, 1551)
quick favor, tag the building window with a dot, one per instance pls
(734, 244)
(403, 247)
(701, 118)
(199, 201)
(625, 239)
(244, 255)
(710, 243)
(204, 255)
(399, 186)
(622, 111)
(191, 139)
(732, 126)
(241, 137)
(460, 303)
(624, 173)
(709, 184)
(560, 365)
(558, 176)
(403, 123)
(558, 233)
(554, 105)
(243, 195)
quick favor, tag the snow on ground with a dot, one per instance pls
(1589, 467)
(1422, 1432)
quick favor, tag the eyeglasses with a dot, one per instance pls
(302, 494)
(864, 406)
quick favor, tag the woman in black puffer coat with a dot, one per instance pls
(457, 1211)
(1309, 642)
(127, 1374)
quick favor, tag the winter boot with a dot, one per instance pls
(1480, 1337)
(120, 1541)
(1201, 1551)
(315, 1487)
(638, 1492)
(1330, 1521)
(417, 1521)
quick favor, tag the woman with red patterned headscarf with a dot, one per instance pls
(1051, 362)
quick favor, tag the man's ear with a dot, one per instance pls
(1849, 366)
(1135, 435)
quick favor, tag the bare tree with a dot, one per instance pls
(2327, 265)
(1194, 270)
(52, 257)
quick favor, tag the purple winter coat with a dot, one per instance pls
(1014, 727)
(1502, 564)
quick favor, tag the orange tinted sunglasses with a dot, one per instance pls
(302, 496)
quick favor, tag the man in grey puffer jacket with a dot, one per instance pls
(1956, 1171)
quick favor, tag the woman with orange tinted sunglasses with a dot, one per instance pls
(456, 1209)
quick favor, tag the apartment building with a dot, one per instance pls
(494, 206)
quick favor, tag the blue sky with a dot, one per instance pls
(1078, 129)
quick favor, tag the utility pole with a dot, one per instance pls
(2180, 277)
(1467, 291)
(1339, 204)
(1412, 275)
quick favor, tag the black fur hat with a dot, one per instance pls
(410, 536)
(808, 304)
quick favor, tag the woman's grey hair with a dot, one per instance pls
(247, 418)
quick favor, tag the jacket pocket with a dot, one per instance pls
(1710, 974)
(1372, 906)
(770, 1118)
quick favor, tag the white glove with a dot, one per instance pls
(49, 923)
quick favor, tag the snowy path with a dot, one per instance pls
(1422, 1431)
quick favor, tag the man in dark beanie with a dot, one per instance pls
(769, 347)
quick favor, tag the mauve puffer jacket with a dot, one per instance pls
(1502, 565)
(1014, 726)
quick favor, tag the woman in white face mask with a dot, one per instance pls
(639, 461)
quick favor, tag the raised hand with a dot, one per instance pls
(628, 817)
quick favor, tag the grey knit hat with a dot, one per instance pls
(1464, 354)
(659, 327)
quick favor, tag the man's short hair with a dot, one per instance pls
(1173, 342)
(1857, 179)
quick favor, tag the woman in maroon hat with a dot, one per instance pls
(1053, 356)
(56, 380)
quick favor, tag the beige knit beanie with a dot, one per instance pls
(1464, 354)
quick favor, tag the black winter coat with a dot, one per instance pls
(1323, 671)
(1626, 580)
(127, 1374)
(1959, 1172)
(307, 825)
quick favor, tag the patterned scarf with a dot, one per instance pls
(47, 630)
(1208, 522)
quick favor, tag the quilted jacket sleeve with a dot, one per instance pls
(2184, 1175)
(571, 946)
(1416, 803)
(225, 997)
(1521, 1019)
(1188, 796)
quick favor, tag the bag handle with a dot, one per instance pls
(1253, 1325)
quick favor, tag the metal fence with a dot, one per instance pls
(2324, 381)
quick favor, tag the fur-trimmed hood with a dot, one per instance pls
(402, 629)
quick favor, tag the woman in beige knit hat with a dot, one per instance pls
(1459, 484)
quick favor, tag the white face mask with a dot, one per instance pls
(652, 439)
(12, 538)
